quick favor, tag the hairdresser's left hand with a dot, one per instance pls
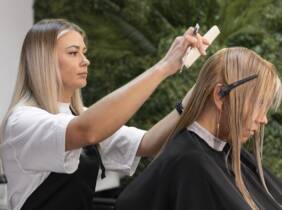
(172, 61)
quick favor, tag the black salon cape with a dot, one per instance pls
(75, 191)
(189, 175)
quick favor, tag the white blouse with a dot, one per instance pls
(34, 146)
(213, 142)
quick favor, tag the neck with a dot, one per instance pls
(208, 120)
(66, 96)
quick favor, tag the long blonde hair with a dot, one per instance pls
(224, 67)
(39, 82)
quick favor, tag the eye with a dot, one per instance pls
(73, 53)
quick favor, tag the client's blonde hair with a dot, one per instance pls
(224, 67)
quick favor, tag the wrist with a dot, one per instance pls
(161, 68)
(179, 107)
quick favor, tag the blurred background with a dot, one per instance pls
(125, 37)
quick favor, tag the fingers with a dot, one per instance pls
(196, 41)
(181, 43)
(200, 45)
(191, 40)
(189, 31)
(205, 41)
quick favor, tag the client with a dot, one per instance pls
(204, 165)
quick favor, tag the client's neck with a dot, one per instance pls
(208, 120)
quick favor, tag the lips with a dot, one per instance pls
(83, 73)
(252, 132)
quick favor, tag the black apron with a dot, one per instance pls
(69, 191)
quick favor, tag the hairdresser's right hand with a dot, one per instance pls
(172, 61)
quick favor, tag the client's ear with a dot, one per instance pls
(218, 100)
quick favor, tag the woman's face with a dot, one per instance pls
(251, 122)
(252, 125)
(71, 49)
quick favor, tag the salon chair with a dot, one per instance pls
(106, 199)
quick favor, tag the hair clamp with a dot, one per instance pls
(225, 90)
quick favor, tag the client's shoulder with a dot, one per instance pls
(184, 143)
(185, 149)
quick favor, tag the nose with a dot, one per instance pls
(85, 61)
(262, 119)
(265, 120)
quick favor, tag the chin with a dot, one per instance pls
(82, 84)
(245, 139)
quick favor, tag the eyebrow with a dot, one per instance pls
(77, 47)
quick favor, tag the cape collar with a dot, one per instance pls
(214, 142)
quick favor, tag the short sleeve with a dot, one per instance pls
(36, 139)
(118, 152)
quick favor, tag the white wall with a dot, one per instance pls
(16, 17)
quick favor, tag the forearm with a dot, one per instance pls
(107, 115)
(156, 137)
(103, 118)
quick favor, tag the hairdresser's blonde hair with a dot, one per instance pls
(225, 67)
(39, 82)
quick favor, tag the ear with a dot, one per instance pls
(218, 100)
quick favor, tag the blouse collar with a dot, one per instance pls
(214, 142)
(64, 108)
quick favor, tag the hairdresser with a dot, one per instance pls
(52, 148)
